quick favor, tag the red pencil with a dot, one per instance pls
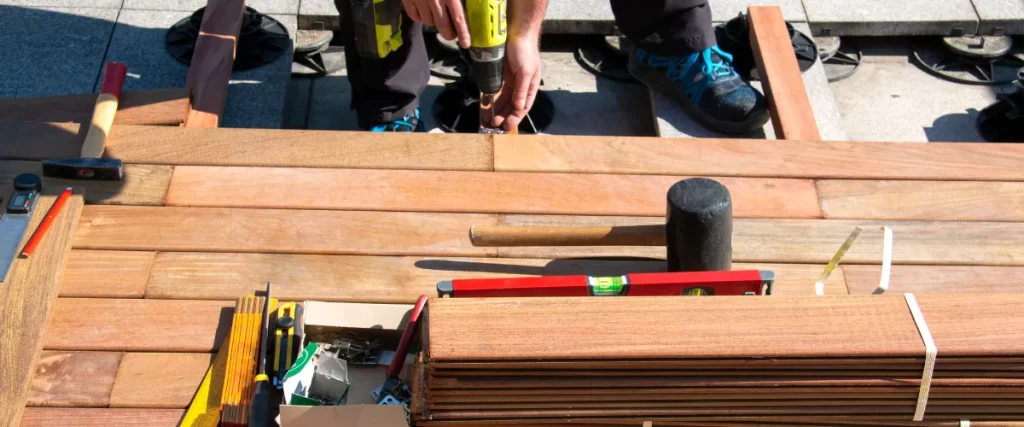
(45, 225)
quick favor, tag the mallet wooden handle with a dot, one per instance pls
(106, 108)
(629, 235)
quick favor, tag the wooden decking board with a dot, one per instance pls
(73, 379)
(781, 159)
(278, 231)
(976, 325)
(28, 295)
(922, 200)
(383, 279)
(936, 279)
(102, 417)
(162, 145)
(815, 241)
(788, 104)
(106, 274)
(158, 380)
(93, 324)
(143, 107)
(143, 185)
(474, 192)
(460, 330)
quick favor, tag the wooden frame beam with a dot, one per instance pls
(142, 107)
(214, 56)
(783, 84)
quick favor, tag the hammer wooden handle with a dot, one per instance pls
(106, 108)
(629, 235)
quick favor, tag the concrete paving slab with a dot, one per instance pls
(290, 7)
(255, 97)
(1000, 16)
(318, 15)
(891, 100)
(579, 17)
(724, 10)
(671, 121)
(891, 18)
(102, 4)
(64, 60)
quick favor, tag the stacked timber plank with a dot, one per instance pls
(723, 359)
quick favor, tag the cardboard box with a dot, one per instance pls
(384, 322)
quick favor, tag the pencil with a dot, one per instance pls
(45, 225)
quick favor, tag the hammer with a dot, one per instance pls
(697, 233)
(90, 166)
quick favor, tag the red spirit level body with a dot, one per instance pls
(702, 283)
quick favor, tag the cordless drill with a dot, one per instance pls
(487, 21)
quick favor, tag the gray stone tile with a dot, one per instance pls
(589, 105)
(724, 10)
(103, 4)
(318, 15)
(138, 41)
(255, 97)
(579, 17)
(896, 101)
(891, 17)
(52, 51)
(1004, 15)
(671, 121)
(263, 6)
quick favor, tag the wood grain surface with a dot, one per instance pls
(788, 104)
(106, 274)
(936, 279)
(212, 60)
(484, 192)
(923, 200)
(73, 379)
(163, 145)
(664, 328)
(102, 417)
(28, 295)
(278, 231)
(382, 279)
(142, 107)
(977, 325)
(141, 325)
(143, 185)
(158, 380)
(770, 158)
(815, 241)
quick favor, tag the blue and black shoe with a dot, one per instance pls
(706, 86)
(405, 124)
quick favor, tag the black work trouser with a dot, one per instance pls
(389, 89)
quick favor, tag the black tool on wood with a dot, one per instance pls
(259, 412)
(698, 226)
(15, 218)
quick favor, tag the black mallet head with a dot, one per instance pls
(84, 168)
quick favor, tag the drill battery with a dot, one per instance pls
(377, 26)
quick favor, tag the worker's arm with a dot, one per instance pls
(522, 62)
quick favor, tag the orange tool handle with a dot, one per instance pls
(47, 222)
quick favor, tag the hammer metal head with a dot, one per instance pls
(84, 168)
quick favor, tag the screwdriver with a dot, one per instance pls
(259, 412)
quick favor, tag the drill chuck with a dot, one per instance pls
(488, 76)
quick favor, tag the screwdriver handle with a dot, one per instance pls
(259, 412)
(407, 338)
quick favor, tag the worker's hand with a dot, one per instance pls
(522, 79)
(447, 16)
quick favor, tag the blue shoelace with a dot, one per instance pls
(681, 70)
(404, 121)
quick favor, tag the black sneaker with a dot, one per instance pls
(706, 86)
(406, 124)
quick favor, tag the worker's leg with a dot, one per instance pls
(387, 91)
(677, 55)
